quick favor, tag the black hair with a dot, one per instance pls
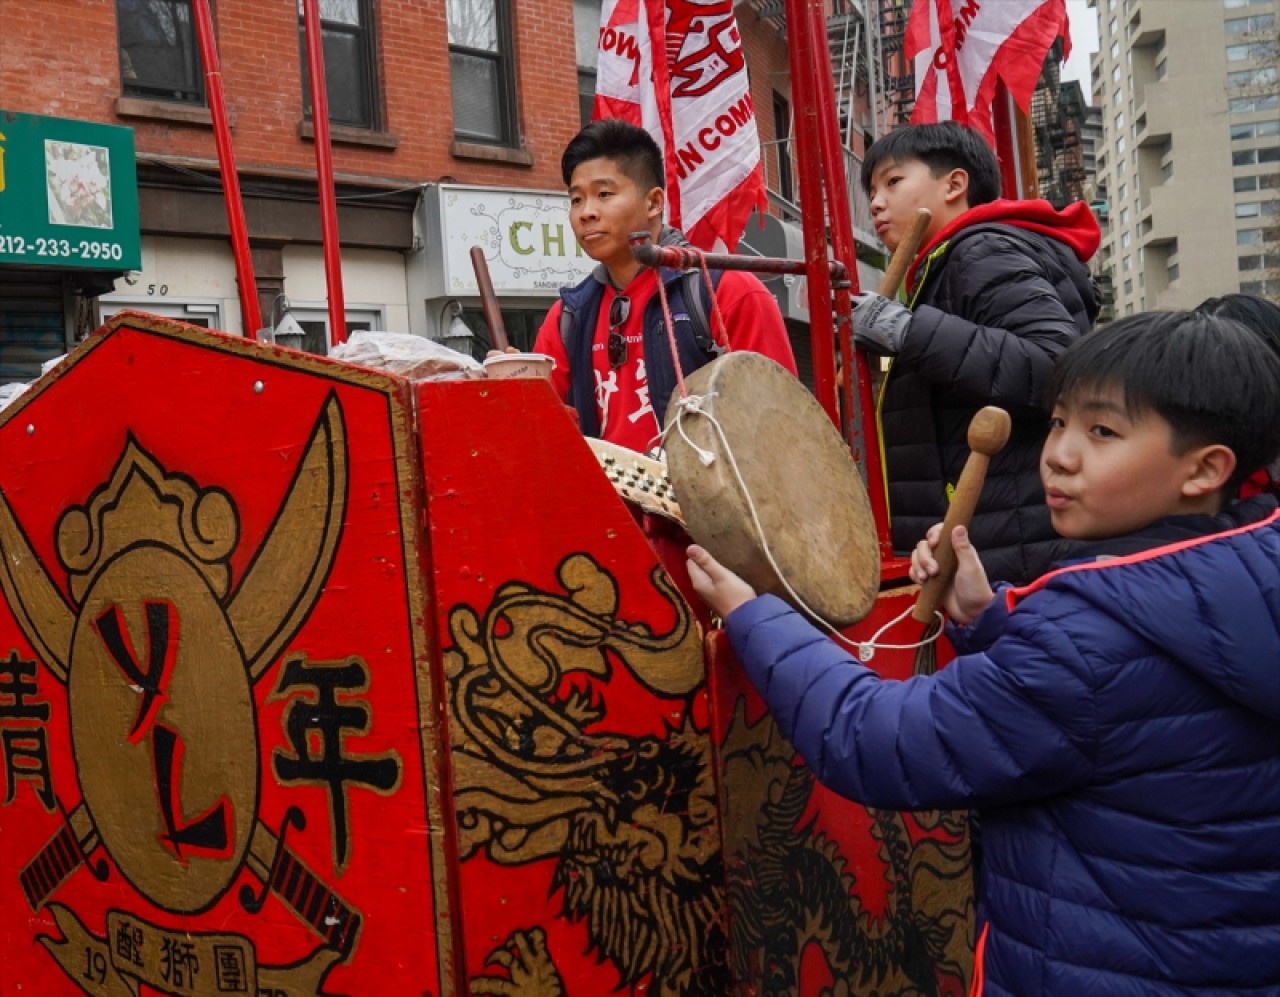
(630, 146)
(1210, 378)
(1251, 311)
(943, 146)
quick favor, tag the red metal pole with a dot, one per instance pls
(812, 211)
(860, 426)
(324, 173)
(250, 316)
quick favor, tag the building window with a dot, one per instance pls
(1248, 25)
(1125, 240)
(1243, 185)
(586, 46)
(782, 143)
(522, 326)
(1166, 171)
(1128, 286)
(206, 312)
(1245, 105)
(1174, 272)
(315, 322)
(482, 71)
(1124, 217)
(1128, 263)
(1247, 263)
(1123, 193)
(350, 77)
(1162, 69)
(1115, 50)
(1248, 157)
(1115, 74)
(1263, 76)
(1249, 50)
(1249, 237)
(159, 51)
(1249, 209)
(1117, 98)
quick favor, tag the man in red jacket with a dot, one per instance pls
(608, 334)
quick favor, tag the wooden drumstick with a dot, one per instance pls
(898, 264)
(988, 432)
(489, 300)
(904, 254)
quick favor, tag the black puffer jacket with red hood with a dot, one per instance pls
(997, 296)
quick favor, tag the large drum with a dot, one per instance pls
(768, 486)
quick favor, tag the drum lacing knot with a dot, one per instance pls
(693, 404)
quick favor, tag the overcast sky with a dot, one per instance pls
(1084, 42)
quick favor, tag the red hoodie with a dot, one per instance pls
(1073, 226)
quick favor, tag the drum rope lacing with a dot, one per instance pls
(693, 405)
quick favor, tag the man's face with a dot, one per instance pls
(897, 189)
(1107, 473)
(606, 206)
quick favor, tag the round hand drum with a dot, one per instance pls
(808, 494)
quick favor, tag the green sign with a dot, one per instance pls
(68, 194)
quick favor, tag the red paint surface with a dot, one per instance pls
(497, 487)
(194, 408)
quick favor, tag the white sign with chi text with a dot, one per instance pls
(525, 235)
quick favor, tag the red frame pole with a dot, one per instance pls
(818, 97)
(812, 212)
(1013, 147)
(324, 173)
(250, 315)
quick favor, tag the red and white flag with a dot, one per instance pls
(962, 48)
(694, 100)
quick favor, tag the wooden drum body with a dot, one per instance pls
(811, 510)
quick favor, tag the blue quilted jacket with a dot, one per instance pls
(1117, 727)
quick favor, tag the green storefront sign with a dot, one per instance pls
(68, 194)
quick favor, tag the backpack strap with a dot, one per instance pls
(697, 299)
(579, 307)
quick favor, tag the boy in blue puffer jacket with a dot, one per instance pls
(1116, 725)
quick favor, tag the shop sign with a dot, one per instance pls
(525, 236)
(68, 194)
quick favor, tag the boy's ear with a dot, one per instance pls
(1212, 468)
(957, 188)
(655, 203)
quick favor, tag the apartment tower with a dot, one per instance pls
(1189, 162)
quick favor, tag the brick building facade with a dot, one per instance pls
(432, 106)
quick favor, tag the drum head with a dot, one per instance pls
(805, 486)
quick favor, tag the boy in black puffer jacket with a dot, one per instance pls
(997, 293)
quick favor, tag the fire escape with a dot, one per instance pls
(1057, 120)
(897, 88)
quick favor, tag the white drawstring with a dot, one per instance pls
(693, 404)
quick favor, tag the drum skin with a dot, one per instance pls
(808, 494)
